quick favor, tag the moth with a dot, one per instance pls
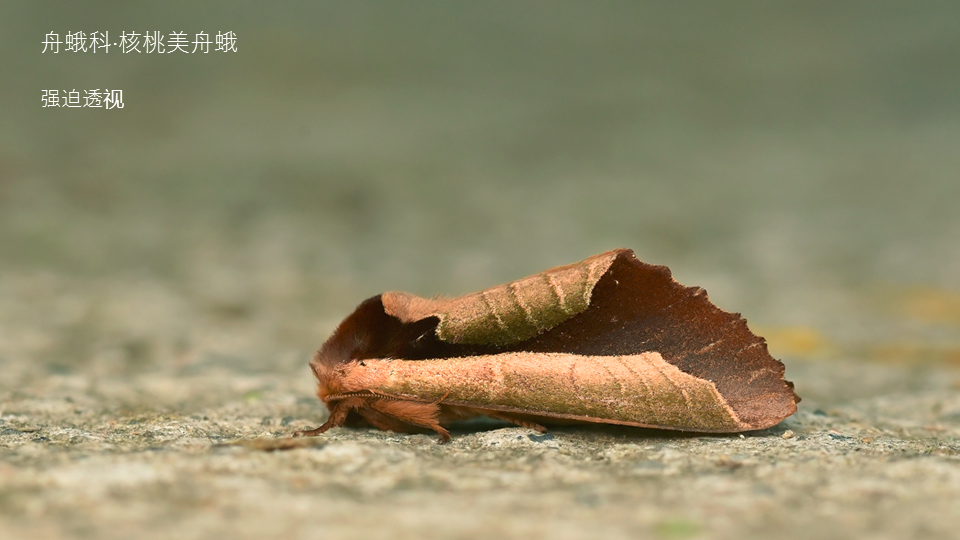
(608, 340)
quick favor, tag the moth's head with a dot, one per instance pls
(368, 332)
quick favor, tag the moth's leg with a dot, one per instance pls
(515, 420)
(386, 422)
(455, 413)
(425, 415)
(338, 415)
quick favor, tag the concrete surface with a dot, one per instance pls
(166, 271)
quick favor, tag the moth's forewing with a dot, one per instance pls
(641, 390)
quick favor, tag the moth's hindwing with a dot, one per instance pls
(510, 313)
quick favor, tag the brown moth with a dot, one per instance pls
(610, 340)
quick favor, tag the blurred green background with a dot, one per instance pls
(798, 160)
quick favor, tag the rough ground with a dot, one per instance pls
(195, 445)
(167, 269)
(887, 467)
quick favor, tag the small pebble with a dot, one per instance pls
(788, 434)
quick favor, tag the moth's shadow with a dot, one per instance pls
(621, 433)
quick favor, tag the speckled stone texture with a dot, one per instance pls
(201, 450)
(167, 269)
